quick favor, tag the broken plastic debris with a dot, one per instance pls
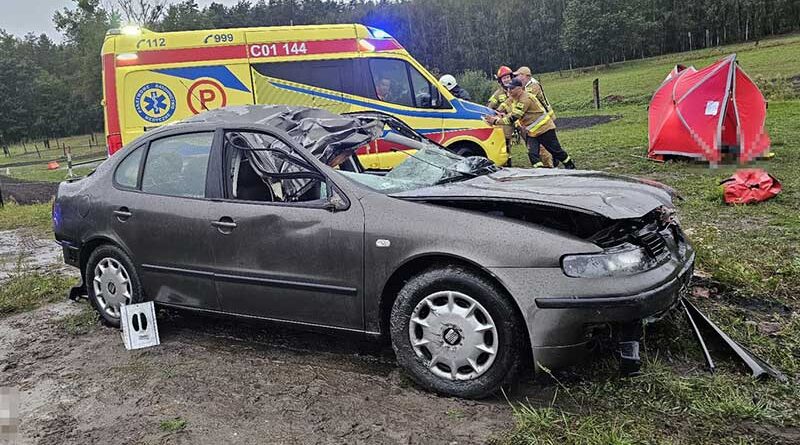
(758, 366)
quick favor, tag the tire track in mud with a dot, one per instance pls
(232, 382)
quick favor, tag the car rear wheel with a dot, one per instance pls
(455, 333)
(111, 281)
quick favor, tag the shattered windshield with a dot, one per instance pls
(427, 167)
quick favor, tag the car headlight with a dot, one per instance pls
(623, 260)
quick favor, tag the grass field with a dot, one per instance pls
(752, 254)
(79, 146)
(40, 172)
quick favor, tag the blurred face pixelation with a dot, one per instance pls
(9, 414)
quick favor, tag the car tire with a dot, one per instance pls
(450, 334)
(467, 149)
(111, 279)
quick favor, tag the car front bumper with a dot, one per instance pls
(565, 326)
(563, 314)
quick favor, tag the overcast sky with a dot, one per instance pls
(22, 16)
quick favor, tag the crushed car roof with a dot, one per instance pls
(324, 134)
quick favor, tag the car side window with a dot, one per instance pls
(127, 174)
(262, 168)
(390, 80)
(177, 165)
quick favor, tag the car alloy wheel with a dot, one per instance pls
(454, 335)
(112, 286)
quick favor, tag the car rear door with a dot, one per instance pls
(159, 212)
(277, 257)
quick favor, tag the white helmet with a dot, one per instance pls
(448, 81)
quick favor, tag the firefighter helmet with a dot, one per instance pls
(448, 81)
(503, 71)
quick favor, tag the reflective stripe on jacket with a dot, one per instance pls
(528, 114)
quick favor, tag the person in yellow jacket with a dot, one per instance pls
(532, 85)
(500, 95)
(534, 121)
(496, 101)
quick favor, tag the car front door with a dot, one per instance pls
(159, 211)
(282, 250)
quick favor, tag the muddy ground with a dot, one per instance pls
(230, 381)
(578, 122)
(26, 192)
(23, 250)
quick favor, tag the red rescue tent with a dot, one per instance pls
(701, 114)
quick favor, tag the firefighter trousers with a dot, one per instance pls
(549, 141)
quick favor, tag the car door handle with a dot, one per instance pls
(123, 213)
(225, 224)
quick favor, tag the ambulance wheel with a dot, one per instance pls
(111, 281)
(467, 149)
(456, 333)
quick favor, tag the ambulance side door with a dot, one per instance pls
(405, 93)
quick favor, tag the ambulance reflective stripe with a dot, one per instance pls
(114, 139)
(300, 48)
(535, 125)
(220, 73)
(463, 110)
(166, 56)
(256, 50)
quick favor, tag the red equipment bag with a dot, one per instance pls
(750, 185)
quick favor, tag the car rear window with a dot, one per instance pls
(128, 170)
(177, 165)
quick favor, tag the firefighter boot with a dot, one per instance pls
(568, 164)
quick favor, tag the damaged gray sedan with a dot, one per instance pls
(470, 269)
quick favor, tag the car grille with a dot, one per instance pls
(611, 238)
(654, 244)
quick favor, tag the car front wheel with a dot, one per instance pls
(111, 281)
(456, 333)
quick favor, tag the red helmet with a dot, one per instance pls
(503, 71)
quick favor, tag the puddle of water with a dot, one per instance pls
(21, 250)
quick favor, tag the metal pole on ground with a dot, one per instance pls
(69, 163)
(596, 93)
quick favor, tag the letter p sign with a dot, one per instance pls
(206, 95)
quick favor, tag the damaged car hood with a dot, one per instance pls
(611, 196)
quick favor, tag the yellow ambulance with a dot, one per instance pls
(151, 79)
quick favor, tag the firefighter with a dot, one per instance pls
(497, 102)
(532, 85)
(452, 86)
(534, 121)
(500, 95)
